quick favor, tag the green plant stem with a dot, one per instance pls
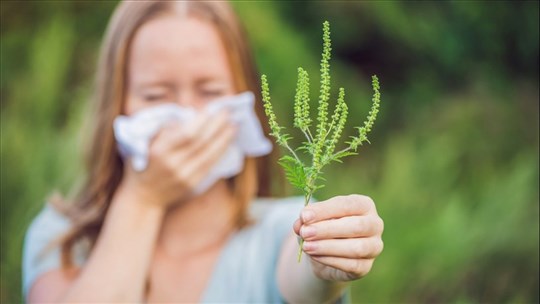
(307, 136)
(292, 152)
(307, 197)
(341, 151)
(329, 129)
(310, 135)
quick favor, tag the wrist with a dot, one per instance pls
(128, 197)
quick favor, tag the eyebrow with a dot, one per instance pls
(207, 79)
(145, 85)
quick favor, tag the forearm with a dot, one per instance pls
(298, 283)
(117, 268)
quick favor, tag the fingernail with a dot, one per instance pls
(307, 215)
(309, 246)
(307, 231)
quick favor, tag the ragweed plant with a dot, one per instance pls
(320, 145)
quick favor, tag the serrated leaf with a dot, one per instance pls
(294, 171)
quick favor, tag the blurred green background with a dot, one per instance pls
(453, 166)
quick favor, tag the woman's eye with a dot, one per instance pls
(212, 93)
(156, 97)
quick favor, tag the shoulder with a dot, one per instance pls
(41, 252)
(48, 222)
(45, 228)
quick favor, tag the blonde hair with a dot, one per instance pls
(104, 167)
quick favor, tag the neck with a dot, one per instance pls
(199, 224)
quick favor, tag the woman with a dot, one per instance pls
(135, 236)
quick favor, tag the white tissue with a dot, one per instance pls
(134, 134)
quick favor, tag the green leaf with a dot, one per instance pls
(294, 171)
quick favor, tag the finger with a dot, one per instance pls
(296, 226)
(360, 248)
(176, 134)
(204, 161)
(212, 128)
(190, 139)
(338, 207)
(189, 162)
(172, 136)
(345, 227)
(213, 153)
(353, 268)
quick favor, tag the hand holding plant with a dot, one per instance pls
(320, 144)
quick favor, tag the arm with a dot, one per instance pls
(118, 265)
(123, 252)
(342, 238)
(297, 281)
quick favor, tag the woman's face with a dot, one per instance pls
(175, 59)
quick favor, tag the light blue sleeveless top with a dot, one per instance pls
(244, 273)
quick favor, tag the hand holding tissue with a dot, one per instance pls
(134, 134)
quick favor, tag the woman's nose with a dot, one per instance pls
(188, 98)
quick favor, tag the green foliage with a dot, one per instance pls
(301, 102)
(368, 124)
(274, 127)
(320, 147)
(294, 171)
